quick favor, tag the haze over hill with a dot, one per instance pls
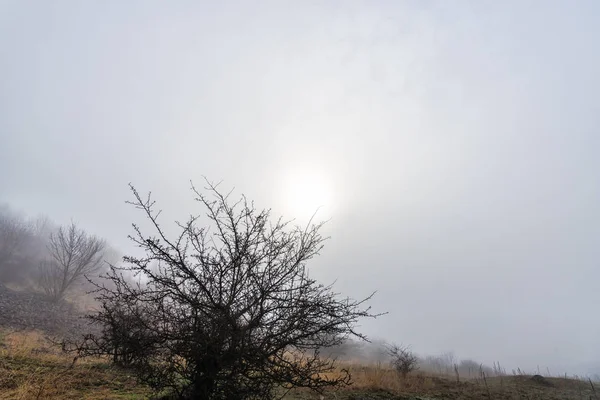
(453, 145)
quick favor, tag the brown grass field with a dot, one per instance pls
(32, 368)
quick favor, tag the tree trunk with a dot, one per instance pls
(203, 386)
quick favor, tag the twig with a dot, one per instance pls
(593, 388)
(485, 381)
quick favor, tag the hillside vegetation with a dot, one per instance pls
(34, 366)
(31, 367)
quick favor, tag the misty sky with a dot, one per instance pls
(454, 145)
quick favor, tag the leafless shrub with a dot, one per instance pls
(225, 311)
(127, 341)
(72, 254)
(403, 359)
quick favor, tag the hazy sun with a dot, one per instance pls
(306, 192)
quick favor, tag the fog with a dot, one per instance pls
(453, 146)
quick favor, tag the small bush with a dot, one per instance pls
(403, 360)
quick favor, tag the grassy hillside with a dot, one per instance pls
(32, 368)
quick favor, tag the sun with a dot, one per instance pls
(306, 192)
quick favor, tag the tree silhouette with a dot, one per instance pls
(72, 254)
(226, 310)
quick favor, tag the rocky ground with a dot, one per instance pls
(22, 310)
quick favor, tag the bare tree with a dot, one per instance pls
(224, 311)
(403, 359)
(72, 255)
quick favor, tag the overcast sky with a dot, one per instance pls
(453, 144)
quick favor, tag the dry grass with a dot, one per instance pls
(31, 368)
(382, 382)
